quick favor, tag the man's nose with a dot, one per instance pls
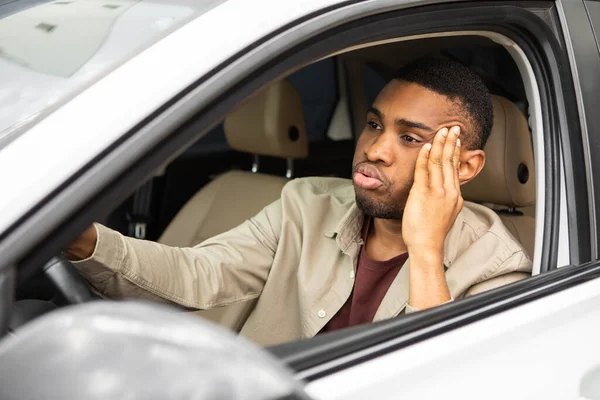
(380, 148)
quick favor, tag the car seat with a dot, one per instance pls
(270, 123)
(507, 181)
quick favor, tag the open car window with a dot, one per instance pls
(186, 203)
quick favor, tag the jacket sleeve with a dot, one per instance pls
(229, 268)
(496, 282)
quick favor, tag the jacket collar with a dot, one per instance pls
(348, 230)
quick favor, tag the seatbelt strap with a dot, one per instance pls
(140, 216)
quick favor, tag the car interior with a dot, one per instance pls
(306, 124)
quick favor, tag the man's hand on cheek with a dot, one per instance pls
(434, 200)
(433, 204)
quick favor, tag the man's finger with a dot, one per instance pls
(436, 178)
(421, 169)
(448, 159)
(456, 164)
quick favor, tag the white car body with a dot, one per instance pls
(542, 349)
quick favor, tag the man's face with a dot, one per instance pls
(403, 118)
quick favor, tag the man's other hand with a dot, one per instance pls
(83, 247)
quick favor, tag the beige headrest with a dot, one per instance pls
(270, 124)
(508, 177)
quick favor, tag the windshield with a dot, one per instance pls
(51, 50)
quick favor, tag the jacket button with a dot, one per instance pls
(321, 313)
(351, 274)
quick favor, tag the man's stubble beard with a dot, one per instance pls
(389, 209)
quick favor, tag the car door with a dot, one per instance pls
(540, 349)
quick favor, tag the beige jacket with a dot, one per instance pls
(297, 258)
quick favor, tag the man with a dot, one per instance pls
(333, 253)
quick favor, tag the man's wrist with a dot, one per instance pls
(427, 285)
(431, 257)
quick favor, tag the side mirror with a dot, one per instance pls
(133, 350)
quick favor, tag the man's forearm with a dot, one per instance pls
(123, 267)
(428, 287)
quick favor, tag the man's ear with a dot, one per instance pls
(471, 163)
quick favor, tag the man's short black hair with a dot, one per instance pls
(458, 83)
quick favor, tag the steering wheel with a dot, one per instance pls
(68, 281)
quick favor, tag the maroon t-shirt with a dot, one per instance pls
(373, 279)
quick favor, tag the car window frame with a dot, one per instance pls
(584, 56)
(175, 118)
(303, 359)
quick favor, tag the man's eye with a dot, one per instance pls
(374, 125)
(410, 139)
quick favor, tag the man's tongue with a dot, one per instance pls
(366, 182)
